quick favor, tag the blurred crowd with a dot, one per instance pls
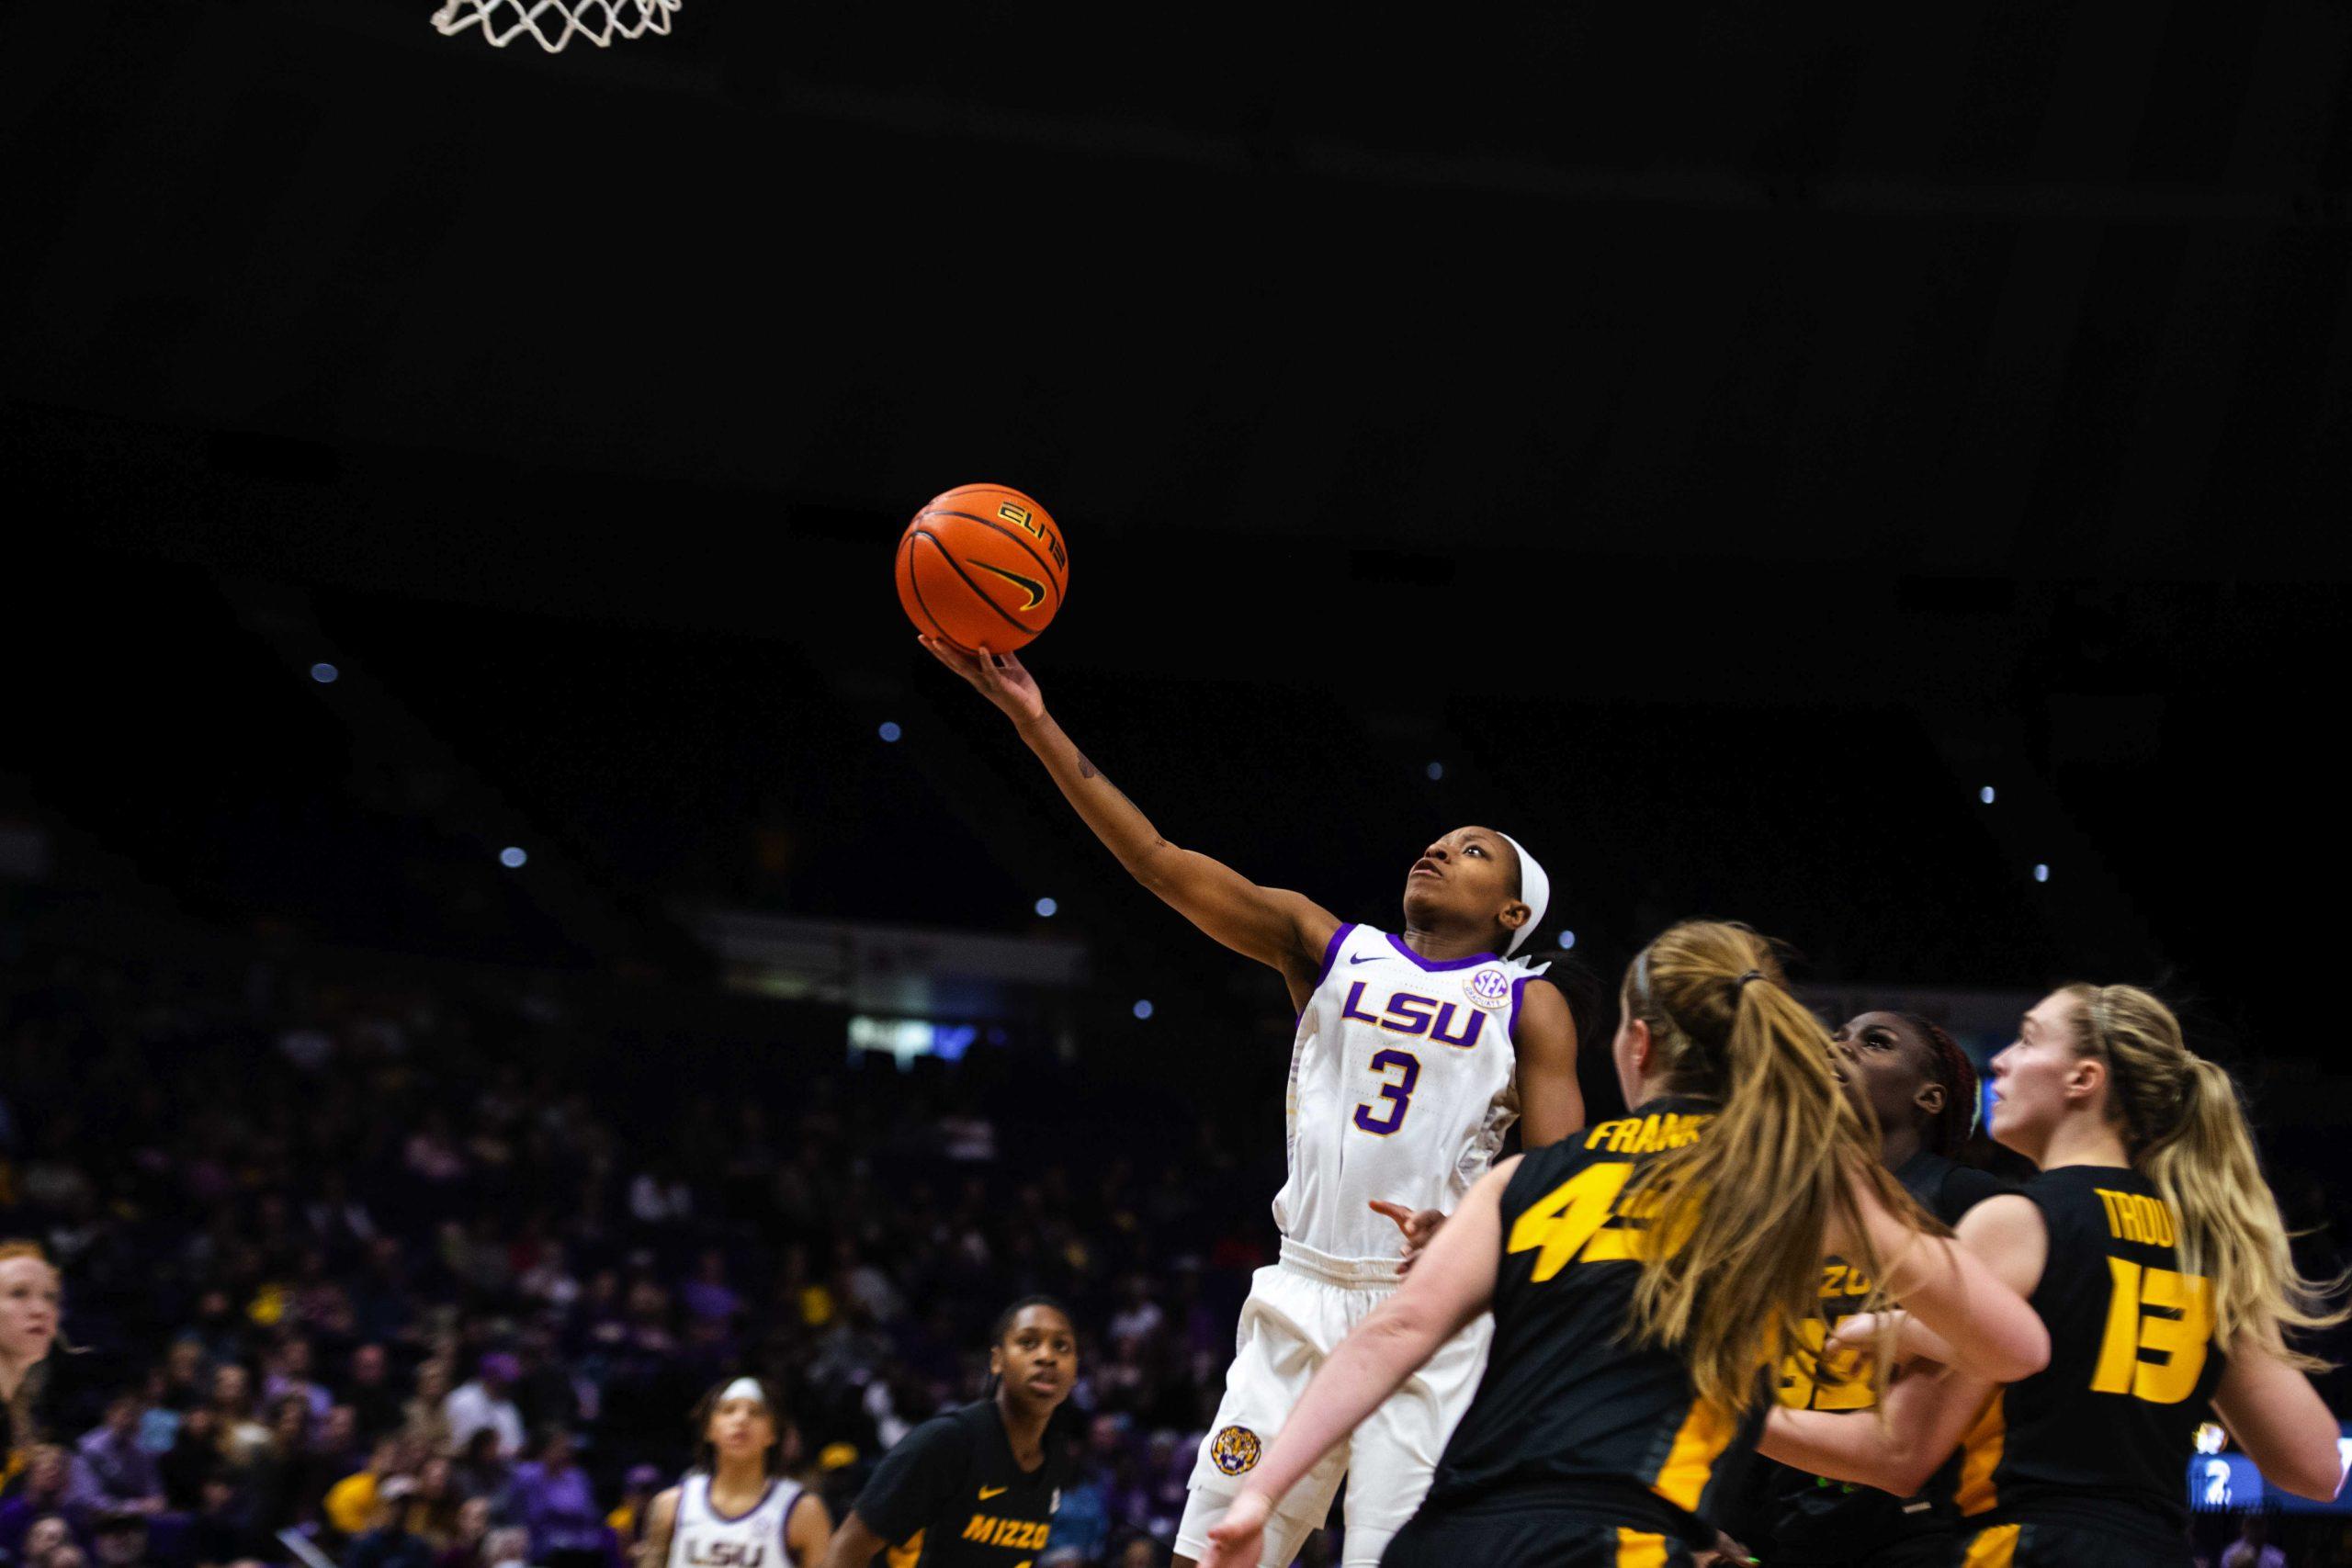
(393, 1276)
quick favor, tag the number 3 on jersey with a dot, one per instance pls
(1385, 1119)
(1571, 1222)
(2154, 1309)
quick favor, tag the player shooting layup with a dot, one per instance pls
(1414, 1054)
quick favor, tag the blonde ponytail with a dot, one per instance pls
(1750, 1201)
(2187, 1132)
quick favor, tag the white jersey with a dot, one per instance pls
(705, 1538)
(1401, 1086)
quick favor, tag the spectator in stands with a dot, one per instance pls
(626, 1520)
(42, 1497)
(193, 1457)
(377, 1409)
(350, 1505)
(121, 1538)
(479, 1472)
(506, 1549)
(389, 1544)
(289, 1374)
(425, 1419)
(552, 1498)
(184, 1375)
(110, 1470)
(44, 1539)
(465, 1548)
(221, 1529)
(2253, 1549)
(485, 1405)
(433, 1511)
(241, 1437)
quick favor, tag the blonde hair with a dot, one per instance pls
(2185, 1130)
(1750, 1201)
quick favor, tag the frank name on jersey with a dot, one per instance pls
(1410, 1014)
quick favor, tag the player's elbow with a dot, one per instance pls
(2313, 1470)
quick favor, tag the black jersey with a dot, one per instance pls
(950, 1495)
(1570, 1412)
(2102, 1438)
(1815, 1519)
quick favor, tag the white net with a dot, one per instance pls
(555, 23)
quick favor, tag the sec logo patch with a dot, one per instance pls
(1235, 1449)
(1489, 987)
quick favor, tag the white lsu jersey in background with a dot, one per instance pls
(1402, 1084)
(705, 1538)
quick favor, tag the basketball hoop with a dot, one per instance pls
(555, 23)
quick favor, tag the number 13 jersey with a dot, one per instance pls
(2103, 1435)
(1401, 1088)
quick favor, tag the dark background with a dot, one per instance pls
(1722, 441)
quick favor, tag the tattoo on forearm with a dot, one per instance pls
(1087, 770)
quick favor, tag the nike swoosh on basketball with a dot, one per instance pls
(988, 1491)
(1029, 585)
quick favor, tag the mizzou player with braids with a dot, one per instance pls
(30, 1312)
(1415, 1052)
(736, 1505)
(2151, 1246)
(1645, 1278)
(1921, 1092)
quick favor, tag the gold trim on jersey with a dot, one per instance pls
(1640, 1549)
(906, 1553)
(1981, 1457)
(1706, 1433)
(1995, 1548)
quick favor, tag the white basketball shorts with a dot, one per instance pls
(1297, 1313)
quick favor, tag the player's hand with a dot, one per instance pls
(1724, 1551)
(1238, 1539)
(1857, 1331)
(995, 676)
(1420, 1225)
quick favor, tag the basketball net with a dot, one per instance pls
(555, 23)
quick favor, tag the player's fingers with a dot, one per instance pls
(1396, 1211)
(1423, 1225)
(946, 656)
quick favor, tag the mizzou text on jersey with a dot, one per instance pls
(950, 1495)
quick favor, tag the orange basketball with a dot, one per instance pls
(982, 564)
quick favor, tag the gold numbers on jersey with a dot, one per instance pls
(1571, 1223)
(2159, 1311)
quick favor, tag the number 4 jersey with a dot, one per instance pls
(1401, 1086)
(2101, 1437)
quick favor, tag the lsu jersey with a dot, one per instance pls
(705, 1538)
(1401, 1088)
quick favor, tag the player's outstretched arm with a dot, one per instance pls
(660, 1523)
(1453, 1284)
(1971, 1293)
(1284, 930)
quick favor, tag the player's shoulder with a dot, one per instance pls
(664, 1509)
(1963, 1188)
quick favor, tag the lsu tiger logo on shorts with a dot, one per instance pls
(1235, 1449)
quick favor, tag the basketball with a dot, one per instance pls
(982, 564)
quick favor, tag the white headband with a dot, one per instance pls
(745, 1388)
(1534, 891)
